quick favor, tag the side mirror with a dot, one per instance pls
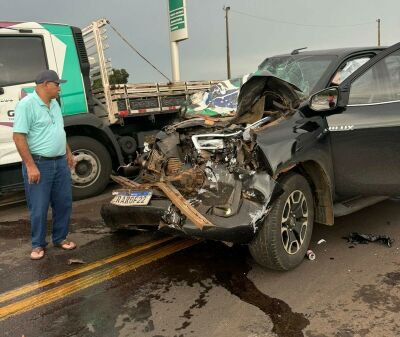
(325, 100)
(1, 91)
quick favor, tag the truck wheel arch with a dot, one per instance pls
(91, 126)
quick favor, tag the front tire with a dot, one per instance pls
(283, 240)
(93, 167)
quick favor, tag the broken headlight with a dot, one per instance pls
(212, 141)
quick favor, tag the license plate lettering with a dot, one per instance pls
(131, 198)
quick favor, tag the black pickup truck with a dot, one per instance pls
(283, 162)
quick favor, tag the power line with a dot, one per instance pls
(136, 51)
(298, 24)
(228, 57)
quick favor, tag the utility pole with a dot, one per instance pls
(228, 59)
(379, 32)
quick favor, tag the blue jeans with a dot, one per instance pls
(54, 188)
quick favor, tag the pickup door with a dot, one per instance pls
(365, 137)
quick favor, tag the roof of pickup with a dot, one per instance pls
(335, 52)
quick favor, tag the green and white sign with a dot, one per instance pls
(177, 20)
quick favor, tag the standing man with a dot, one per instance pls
(41, 142)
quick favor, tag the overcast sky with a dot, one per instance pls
(258, 28)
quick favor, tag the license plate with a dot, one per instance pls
(131, 198)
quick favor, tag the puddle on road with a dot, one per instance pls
(126, 301)
(203, 266)
(392, 279)
(228, 268)
(381, 296)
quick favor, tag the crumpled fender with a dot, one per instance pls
(294, 141)
(302, 144)
(291, 141)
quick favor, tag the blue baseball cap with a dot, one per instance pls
(48, 76)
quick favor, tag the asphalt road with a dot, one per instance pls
(146, 284)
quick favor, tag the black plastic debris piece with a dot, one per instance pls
(357, 238)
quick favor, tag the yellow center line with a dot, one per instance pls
(60, 277)
(97, 277)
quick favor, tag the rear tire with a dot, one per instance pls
(283, 240)
(93, 167)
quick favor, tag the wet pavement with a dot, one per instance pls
(207, 289)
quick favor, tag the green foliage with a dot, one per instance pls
(119, 76)
(97, 84)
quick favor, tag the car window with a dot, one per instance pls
(21, 59)
(379, 84)
(348, 68)
(302, 71)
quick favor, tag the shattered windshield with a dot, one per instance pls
(304, 72)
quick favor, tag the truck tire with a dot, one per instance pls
(283, 240)
(93, 167)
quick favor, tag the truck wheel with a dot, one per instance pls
(283, 240)
(93, 167)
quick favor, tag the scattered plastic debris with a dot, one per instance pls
(77, 261)
(321, 241)
(310, 255)
(366, 238)
(229, 244)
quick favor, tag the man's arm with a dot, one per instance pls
(70, 158)
(23, 149)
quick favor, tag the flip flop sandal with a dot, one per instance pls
(37, 253)
(66, 245)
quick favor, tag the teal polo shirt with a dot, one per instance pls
(43, 126)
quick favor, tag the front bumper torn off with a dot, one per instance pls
(176, 215)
